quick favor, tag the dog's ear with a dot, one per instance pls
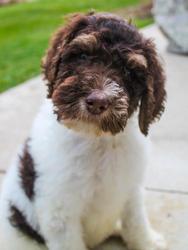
(59, 41)
(153, 97)
(51, 59)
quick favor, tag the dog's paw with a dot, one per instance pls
(154, 242)
(158, 242)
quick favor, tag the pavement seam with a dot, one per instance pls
(169, 191)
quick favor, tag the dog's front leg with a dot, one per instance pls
(62, 233)
(136, 229)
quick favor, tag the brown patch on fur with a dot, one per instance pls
(27, 172)
(18, 221)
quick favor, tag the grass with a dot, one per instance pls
(25, 30)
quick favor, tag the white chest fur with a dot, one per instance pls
(91, 175)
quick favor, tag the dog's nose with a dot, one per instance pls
(97, 103)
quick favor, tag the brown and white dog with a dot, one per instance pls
(83, 167)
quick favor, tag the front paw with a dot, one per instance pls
(158, 242)
(154, 242)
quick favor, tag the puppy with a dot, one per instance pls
(82, 168)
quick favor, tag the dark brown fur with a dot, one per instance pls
(27, 172)
(18, 220)
(96, 45)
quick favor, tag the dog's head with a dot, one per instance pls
(99, 70)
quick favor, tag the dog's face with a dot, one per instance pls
(99, 70)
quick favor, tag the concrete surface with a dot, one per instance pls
(167, 177)
(18, 107)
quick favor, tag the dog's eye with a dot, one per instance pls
(83, 56)
(126, 72)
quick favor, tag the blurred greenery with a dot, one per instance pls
(25, 29)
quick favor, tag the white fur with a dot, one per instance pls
(86, 183)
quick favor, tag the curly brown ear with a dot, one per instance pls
(51, 59)
(62, 37)
(152, 101)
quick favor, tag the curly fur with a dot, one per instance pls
(82, 172)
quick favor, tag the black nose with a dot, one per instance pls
(97, 103)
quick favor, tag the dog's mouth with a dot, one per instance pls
(98, 128)
(112, 120)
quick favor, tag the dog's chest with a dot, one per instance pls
(108, 187)
(109, 177)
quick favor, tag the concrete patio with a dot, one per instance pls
(167, 178)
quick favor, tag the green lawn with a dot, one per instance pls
(25, 30)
